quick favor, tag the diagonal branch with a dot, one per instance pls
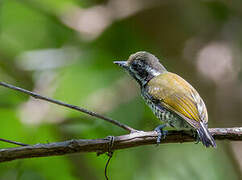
(91, 113)
(13, 142)
(120, 142)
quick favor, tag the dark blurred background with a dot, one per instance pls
(64, 49)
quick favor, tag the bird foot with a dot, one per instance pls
(197, 138)
(110, 145)
(161, 133)
(195, 135)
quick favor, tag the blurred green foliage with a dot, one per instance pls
(44, 48)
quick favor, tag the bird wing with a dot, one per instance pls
(177, 95)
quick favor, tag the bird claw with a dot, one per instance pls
(161, 133)
(196, 137)
(110, 144)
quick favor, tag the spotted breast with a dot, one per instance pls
(163, 114)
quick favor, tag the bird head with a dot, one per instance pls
(142, 66)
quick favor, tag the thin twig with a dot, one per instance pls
(91, 113)
(120, 142)
(106, 166)
(13, 142)
(110, 155)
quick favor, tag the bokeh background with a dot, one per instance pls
(64, 49)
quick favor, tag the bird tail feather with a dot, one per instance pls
(205, 136)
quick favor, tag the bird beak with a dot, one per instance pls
(122, 64)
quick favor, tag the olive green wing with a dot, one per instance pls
(177, 95)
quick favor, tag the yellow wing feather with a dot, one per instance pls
(177, 95)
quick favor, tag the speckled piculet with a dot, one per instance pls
(171, 98)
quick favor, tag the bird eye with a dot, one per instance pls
(139, 66)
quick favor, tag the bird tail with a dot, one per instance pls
(205, 136)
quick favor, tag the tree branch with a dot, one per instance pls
(120, 142)
(37, 96)
(13, 142)
(134, 139)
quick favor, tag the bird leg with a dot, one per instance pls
(196, 137)
(161, 133)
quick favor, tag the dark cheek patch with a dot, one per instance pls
(142, 73)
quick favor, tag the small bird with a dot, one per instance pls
(171, 98)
